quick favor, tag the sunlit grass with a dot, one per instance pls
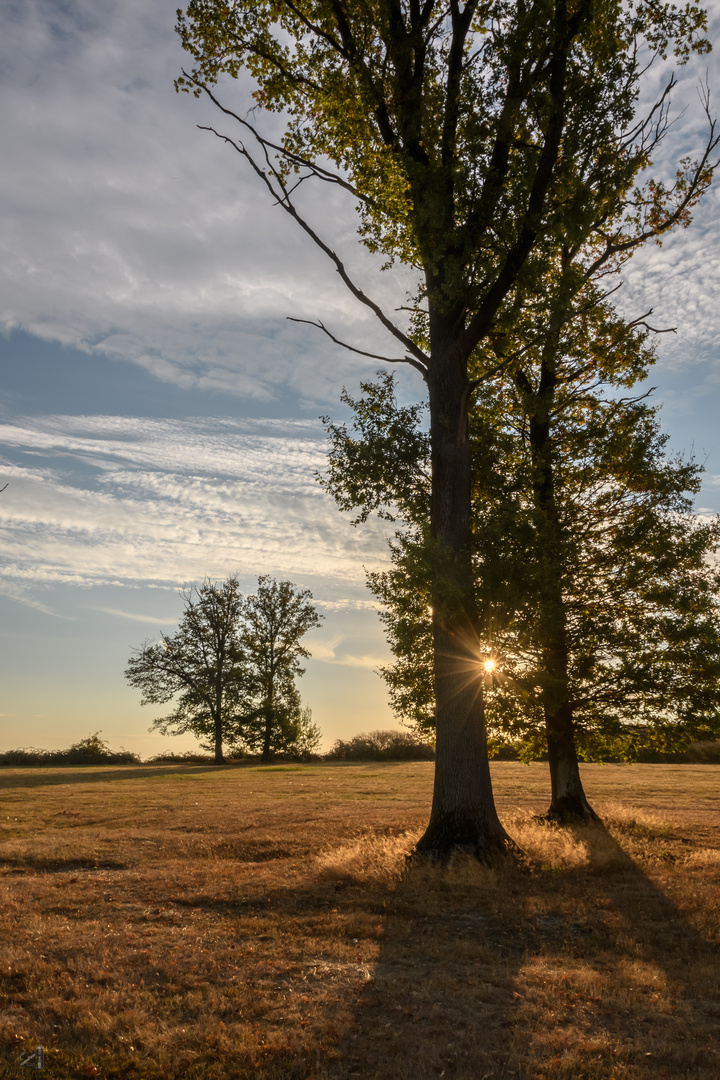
(172, 921)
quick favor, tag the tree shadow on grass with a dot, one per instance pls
(584, 971)
(42, 775)
(443, 981)
(589, 971)
(660, 971)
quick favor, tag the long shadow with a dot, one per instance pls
(591, 972)
(88, 774)
(42, 775)
(471, 965)
(671, 969)
(443, 981)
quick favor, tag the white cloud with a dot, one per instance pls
(126, 231)
(134, 617)
(168, 502)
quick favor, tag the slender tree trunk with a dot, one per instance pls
(568, 801)
(463, 815)
(219, 759)
(269, 710)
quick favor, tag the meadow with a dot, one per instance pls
(167, 921)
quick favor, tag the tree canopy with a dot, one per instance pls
(275, 619)
(200, 667)
(637, 570)
(231, 667)
(483, 143)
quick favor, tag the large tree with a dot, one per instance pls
(476, 139)
(200, 667)
(598, 586)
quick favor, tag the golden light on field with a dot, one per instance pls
(193, 915)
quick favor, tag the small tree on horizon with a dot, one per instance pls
(231, 669)
(201, 666)
(274, 621)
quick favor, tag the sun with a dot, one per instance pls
(489, 665)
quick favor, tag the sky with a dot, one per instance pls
(159, 414)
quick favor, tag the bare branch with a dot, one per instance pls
(361, 352)
(326, 175)
(277, 188)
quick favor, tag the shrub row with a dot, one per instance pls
(368, 746)
(382, 746)
(90, 751)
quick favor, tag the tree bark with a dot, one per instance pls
(567, 801)
(463, 816)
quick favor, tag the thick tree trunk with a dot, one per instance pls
(463, 816)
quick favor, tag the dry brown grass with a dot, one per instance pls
(176, 921)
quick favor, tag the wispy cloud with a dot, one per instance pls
(128, 232)
(17, 590)
(110, 500)
(138, 618)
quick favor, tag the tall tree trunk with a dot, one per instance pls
(568, 801)
(463, 816)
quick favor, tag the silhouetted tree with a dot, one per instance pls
(201, 667)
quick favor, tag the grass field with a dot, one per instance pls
(175, 921)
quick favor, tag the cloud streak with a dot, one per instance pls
(129, 233)
(166, 502)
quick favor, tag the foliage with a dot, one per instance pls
(447, 122)
(308, 738)
(89, 751)
(382, 746)
(200, 667)
(639, 582)
(274, 620)
(231, 669)
(173, 757)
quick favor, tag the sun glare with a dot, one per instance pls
(489, 665)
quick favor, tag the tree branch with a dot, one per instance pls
(361, 352)
(279, 191)
(326, 175)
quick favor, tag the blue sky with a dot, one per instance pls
(159, 414)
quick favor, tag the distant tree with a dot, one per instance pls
(201, 667)
(308, 737)
(275, 620)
